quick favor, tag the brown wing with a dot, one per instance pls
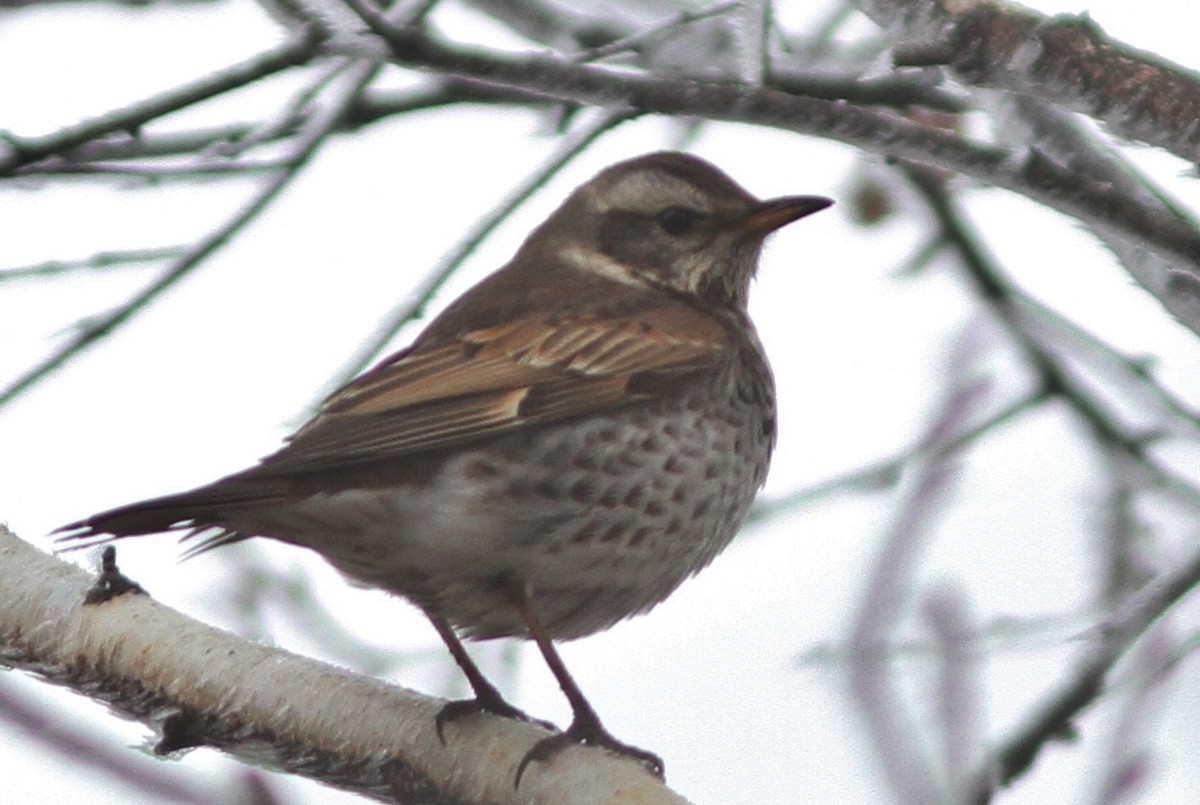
(498, 379)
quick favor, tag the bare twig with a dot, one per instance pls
(993, 289)
(1003, 634)
(1109, 641)
(306, 145)
(99, 260)
(1126, 770)
(885, 473)
(667, 26)
(16, 151)
(373, 105)
(1093, 350)
(154, 172)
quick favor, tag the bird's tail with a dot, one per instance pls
(200, 511)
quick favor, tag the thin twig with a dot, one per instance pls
(1055, 713)
(288, 117)
(1126, 768)
(16, 151)
(667, 26)
(1089, 344)
(154, 173)
(372, 107)
(99, 260)
(994, 290)
(885, 473)
(1003, 634)
(306, 145)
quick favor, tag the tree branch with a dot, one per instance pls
(306, 145)
(995, 291)
(1065, 60)
(199, 686)
(1096, 203)
(17, 151)
(1056, 712)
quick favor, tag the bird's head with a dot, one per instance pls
(669, 221)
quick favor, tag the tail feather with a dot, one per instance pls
(200, 510)
(209, 537)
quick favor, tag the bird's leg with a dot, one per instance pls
(585, 724)
(487, 698)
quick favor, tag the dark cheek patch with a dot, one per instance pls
(632, 239)
(637, 240)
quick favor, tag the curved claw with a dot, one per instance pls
(453, 711)
(591, 735)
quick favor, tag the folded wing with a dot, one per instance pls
(495, 380)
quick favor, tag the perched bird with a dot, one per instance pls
(562, 447)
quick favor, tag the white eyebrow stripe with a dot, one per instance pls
(599, 263)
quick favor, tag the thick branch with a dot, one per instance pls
(200, 686)
(1096, 203)
(1063, 60)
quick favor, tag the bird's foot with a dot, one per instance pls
(592, 733)
(488, 703)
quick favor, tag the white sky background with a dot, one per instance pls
(216, 374)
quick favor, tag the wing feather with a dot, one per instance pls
(495, 380)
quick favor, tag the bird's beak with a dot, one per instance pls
(767, 216)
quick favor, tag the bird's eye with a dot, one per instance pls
(677, 221)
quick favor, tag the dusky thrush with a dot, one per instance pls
(558, 450)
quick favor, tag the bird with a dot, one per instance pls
(560, 449)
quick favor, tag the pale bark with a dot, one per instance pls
(200, 686)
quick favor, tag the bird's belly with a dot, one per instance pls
(600, 518)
